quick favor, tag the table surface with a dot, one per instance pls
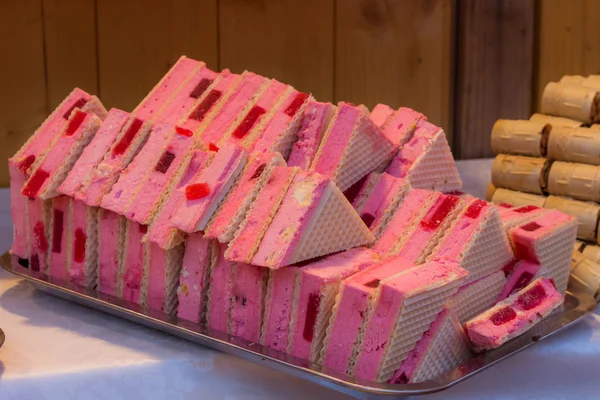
(58, 350)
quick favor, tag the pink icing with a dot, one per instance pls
(78, 222)
(108, 248)
(220, 294)
(157, 277)
(522, 274)
(38, 239)
(380, 198)
(416, 146)
(193, 215)
(134, 262)
(247, 304)
(380, 114)
(279, 306)
(401, 126)
(94, 152)
(313, 126)
(58, 247)
(192, 280)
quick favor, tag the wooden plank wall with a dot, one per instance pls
(464, 63)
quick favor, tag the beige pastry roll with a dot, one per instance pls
(555, 121)
(586, 213)
(595, 127)
(520, 137)
(592, 252)
(489, 191)
(581, 145)
(517, 199)
(527, 174)
(580, 181)
(587, 273)
(592, 81)
(569, 101)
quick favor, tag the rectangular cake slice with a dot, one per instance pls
(58, 239)
(111, 236)
(220, 294)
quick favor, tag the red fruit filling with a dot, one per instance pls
(201, 88)
(75, 123)
(78, 104)
(35, 183)
(259, 171)
(526, 209)
(524, 280)
(372, 284)
(79, 246)
(197, 191)
(402, 379)
(475, 209)
(504, 205)
(503, 316)
(57, 231)
(295, 105)
(248, 122)
(143, 228)
(183, 132)
(509, 268)
(40, 236)
(453, 192)
(367, 219)
(165, 162)
(213, 147)
(127, 138)
(436, 215)
(530, 227)
(35, 263)
(353, 190)
(522, 252)
(312, 308)
(27, 163)
(205, 106)
(531, 298)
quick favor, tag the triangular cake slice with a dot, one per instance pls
(444, 346)
(381, 113)
(477, 296)
(426, 160)
(314, 124)
(351, 147)
(401, 125)
(255, 175)
(519, 274)
(314, 219)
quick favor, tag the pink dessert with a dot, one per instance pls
(94, 152)
(248, 293)
(515, 216)
(401, 126)
(391, 317)
(193, 280)
(220, 293)
(207, 188)
(37, 234)
(82, 246)
(134, 256)
(314, 124)
(380, 114)
(59, 241)
(226, 220)
(477, 296)
(420, 142)
(513, 316)
(110, 239)
(168, 86)
(521, 275)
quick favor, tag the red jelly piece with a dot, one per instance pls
(530, 227)
(27, 163)
(127, 138)
(248, 122)
(367, 219)
(505, 205)
(524, 280)
(201, 88)
(353, 190)
(372, 284)
(213, 147)
(475, 208)
(259, 171)
(183, 132)
(312, 308)
(295, 105)
(526, 209)
(436, 215)
(165, 162)
(402, 379)
(78, 104)
(197, 191)
(35, 263)
(75, 123)
(79, 246)
(531, 298)
(143, 228)
(503, 316)
(522, 252)
(35, 183)
(509, 268)
(57, 231)
(40, 236)
(205, 106)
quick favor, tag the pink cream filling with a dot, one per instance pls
(38, 241)
(79, 240)
(134, 262)
(220, 296)
(192, 283)
(380, 199)
(108, 248)
(58, 247)
(247, 304)
(417, 145)
(310, 134)
(157, 277)
(380, 114)
(277, 325)
(521, 276)
(401, 126)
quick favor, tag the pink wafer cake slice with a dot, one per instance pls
(351, 147)
(220, 294)
(314, 124)
(37, 233)
(381, 113)
(314, 219)
(83, 248)
(402, 309)
(349, 315)
(514, 316)
(129, 276)
(515, 216)
(161, 272)
(253, 178)
(444, 346)
(58, 239)
(401, 126)
(477, 241)
(548, 241)
(519, 274)
(477, 296)
(206, 190)
(111, 235)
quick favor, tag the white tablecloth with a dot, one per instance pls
(58, 350)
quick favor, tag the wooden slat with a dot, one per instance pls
(493, 71)
(397, 53)
(70, 37)
(568, 40)
(22, 81)
(289, 40)
(139, 40)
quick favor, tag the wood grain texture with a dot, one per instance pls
(494, 69)
(396, 52)
(22, 79)
(139, 40)
(568, 41)
(289, 40)
(70, 41)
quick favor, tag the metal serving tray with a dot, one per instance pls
(578, 304)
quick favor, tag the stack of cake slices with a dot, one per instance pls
(327, 232)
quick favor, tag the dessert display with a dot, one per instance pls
(332, 234)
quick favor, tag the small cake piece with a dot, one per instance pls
(220, 294)
(527, 174)
(426, 160)
(351, 147)
(253, 178)
(207, 188)
(317, 117)
(548, 241)
(83, 247)
(58, 239)
(402, 309)
(513, 316)
(516, 216)
(381, 113)
(520, 274)
(129, 280)
(444, 346)
(520, 137)
(160, 276)
(401, 126)
(249, 284)
(314, 219)
(111, 235)
(477, 296)
(517, 199)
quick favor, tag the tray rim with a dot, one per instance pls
(281, 362)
